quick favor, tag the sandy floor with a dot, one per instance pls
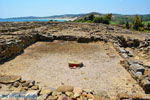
(47, 63)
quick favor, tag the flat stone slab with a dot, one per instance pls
(7, 79)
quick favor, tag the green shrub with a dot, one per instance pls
(103, 20)
(148, 26)
(137, 24)
(127, 25)
(108, 16)
(97, 20)
(91, 17)
(141, 29)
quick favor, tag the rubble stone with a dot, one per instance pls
(146, 85)
(16, 84)
(7, 79)
(122, 96)
(65, 88)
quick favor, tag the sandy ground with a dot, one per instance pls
(47, 63)
(68, 19)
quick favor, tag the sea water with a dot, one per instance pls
(30, 20)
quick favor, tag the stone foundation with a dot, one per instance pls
(9, 48)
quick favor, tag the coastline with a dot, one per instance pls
(67, 19)
(37, 19)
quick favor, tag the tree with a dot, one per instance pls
(127, 25)
(105, 20)
(108, 16)
(137, 24)
(91, 17)
(85, 19)
(97, 20)
(101, 20)
(148, 26)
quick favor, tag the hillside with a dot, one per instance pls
(117, 18)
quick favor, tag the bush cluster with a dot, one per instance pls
(101, 19)
(137, 24)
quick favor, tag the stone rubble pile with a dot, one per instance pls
(139, 72)
(137, 69)
(13, 87)
(12, 47)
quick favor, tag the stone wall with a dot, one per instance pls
(19, 89)
(138, 70)
(16, 43)
(9, 48)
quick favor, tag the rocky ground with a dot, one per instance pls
(102, 71)
(48, 62)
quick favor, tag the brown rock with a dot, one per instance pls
(45, 91)
(26, 84)
(22, 81)
(60, 97)
(35, 87)
(29, 83)
(124, 63)
(83, 98)
(42, 97)
(65, 88)
(76, 95)
(68, 93)
(7, 79)
(84, 94)
(147, 72)
(0, 86)
(16, 84)
(90, 96)
(23, 89)
(88, 90)
(78, 98)
(77, 92)
(138, 96)
(123, 96)
(52, 98)
(146, 85)
(55, 93)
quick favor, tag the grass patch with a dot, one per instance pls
(145, 22)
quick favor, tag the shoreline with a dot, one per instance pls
(37, 19)
(71, 19)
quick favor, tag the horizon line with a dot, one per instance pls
(75, 14)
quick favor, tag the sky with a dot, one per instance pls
(21, 8)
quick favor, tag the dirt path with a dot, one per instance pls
(47, 63)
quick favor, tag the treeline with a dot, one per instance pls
(96, 19)
(137, 24)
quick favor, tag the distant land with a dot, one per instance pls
(116, 18)
(54, 16)
(74, 15)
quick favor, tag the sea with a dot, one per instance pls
(32, 20)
